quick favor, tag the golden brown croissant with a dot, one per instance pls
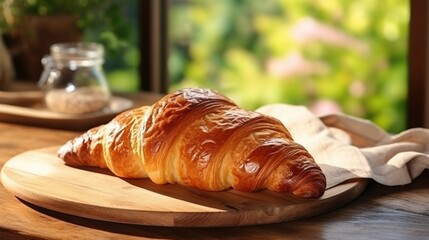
(200, 138)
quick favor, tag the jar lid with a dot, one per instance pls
(77, 51)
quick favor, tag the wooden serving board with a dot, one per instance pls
(41, 178)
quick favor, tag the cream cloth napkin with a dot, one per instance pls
(347, 147)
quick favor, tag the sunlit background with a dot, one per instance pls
(330, 55)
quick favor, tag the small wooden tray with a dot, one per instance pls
(38, 115)
(41, 178)
(20, 98)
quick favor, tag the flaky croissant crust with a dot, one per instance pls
(200, 138)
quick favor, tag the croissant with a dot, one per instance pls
(200, 138)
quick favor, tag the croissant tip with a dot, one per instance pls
(67, 154)
(314, 189)
(63, 150)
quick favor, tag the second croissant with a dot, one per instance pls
(200, 138)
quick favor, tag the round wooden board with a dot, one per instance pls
(41, 178)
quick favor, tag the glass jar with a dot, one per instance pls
(73, 78)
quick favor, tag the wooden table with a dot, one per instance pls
(381, 212)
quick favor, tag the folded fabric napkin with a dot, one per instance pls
(347, 147)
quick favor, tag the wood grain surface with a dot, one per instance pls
(41, 178)
(380, 212)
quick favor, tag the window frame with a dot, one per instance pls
(418, 65)
(153, 18)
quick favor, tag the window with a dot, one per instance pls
(329, 55)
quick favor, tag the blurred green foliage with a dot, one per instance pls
(100, 20)
(351, 54)
(112, 23)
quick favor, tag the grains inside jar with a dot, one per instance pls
(81, 100)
